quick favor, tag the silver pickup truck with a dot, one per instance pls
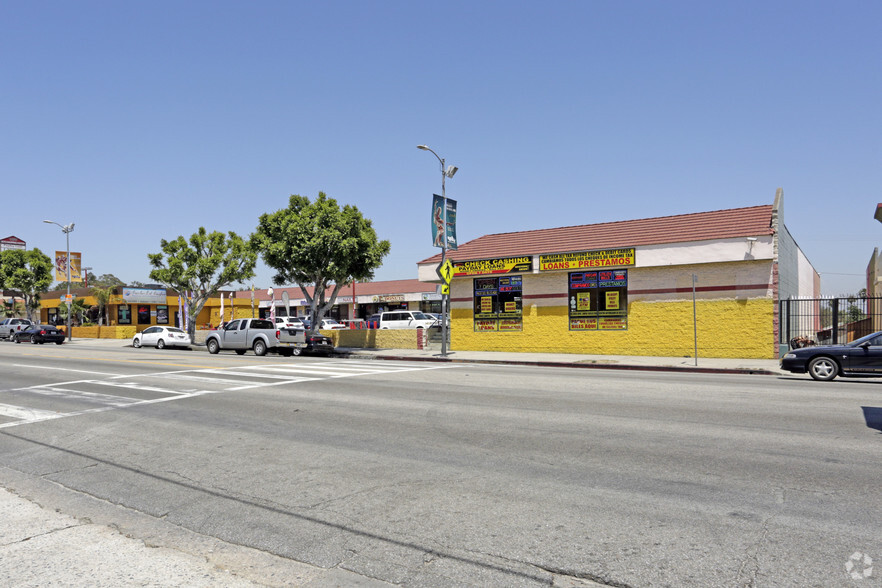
(260, 335)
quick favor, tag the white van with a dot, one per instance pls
(406, 319)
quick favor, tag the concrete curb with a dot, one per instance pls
(563, 364)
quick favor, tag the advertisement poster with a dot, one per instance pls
(587, 259)
(509, 325)
(598, 300)
(443, 222)
(583, 324)
(61, 262)
(501, 265)
(498, 300)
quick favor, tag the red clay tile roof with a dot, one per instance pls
(366, 289)
(699, 226)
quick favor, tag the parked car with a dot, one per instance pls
(290, 322)
(824, 362)
(406, 319)
(161, 337)
(39, 334)
(13, 325)
(331, 324)
(240, 335)
(318, 344)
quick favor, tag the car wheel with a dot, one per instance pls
(213, 346)
(296, 351)
(59, 342)
(823, 369)
(240, 352)
(136, 343)
(15, 339)
(34, 340)
(259, 347)
(160, 344)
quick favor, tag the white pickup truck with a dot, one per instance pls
(259, 335)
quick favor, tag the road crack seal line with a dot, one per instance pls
(751, 559)
(49, 532)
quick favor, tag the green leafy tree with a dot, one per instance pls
(78, 307)
(197, 268)
(29, 272)
(318, 244)
(106, 280)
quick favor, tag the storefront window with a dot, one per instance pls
(497, 304)
(143, 314)
(124, 314)
(162, 315)
(52, 316)
(598, 301)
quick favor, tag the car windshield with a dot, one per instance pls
(872, 339)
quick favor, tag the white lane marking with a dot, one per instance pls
(46, 416)
(267, 385)
(136, 386)
(66, 393)
(18, 412)
(58, 369)
(351, 369)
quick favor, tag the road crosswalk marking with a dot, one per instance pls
(160, 385)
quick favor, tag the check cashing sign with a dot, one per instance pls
(499, 265)
(587, 259)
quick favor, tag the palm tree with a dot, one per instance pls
(102, 297)
(77, 308)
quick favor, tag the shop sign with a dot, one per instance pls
(13, 242)
(144, 296)
(587, 259)
(429, 297)
(501, 265)
(389, 298)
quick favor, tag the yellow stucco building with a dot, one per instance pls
(658, 286)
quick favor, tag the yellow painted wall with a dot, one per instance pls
(726, 328)
(375, 339)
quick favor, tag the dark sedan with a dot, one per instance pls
(316, 343)
(860, 357)
(40, 334)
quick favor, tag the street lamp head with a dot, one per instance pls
(423, 147)
(50, 222)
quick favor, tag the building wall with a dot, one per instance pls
(734, 314)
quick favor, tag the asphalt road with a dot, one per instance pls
(425, 474)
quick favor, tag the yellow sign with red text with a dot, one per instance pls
(587, 259)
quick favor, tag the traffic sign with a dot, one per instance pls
(445, 271)
(445, 289)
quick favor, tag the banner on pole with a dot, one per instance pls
(443, 222)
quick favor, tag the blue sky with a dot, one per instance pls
(145, 120)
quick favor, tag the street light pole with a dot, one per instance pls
(66, 229)
(445, 298)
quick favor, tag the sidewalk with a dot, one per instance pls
(627, 362)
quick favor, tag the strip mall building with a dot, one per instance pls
(638, 287)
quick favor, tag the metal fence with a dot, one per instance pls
(825, 321)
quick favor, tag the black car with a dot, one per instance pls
(316, 343)
(39, 334)
(860, 357)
